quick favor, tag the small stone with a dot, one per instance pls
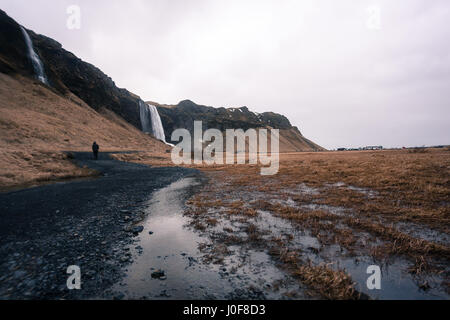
(158, 274)
(150, 232)
(119, 296)
(19, 274)
(138, 229)
(137, 219)
(31, 283)
(164, 294)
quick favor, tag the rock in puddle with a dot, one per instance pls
(159, 274)
(125, 259)
(164, 293)
(137, 229)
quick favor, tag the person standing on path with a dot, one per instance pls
(95, 148)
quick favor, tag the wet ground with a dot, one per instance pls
(169, 250)
(120, 228)
(264, 230)
(88, 223)
(134, 236)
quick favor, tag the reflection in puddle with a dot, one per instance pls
(167, 244)
(172, 248)
(245, 272)
(396, 281)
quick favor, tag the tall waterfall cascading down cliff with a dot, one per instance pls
(35, 60)
(151, 121)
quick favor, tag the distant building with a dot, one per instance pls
(373, 148)
(359, 149)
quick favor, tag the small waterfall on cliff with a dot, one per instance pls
(151, 121)
(145, 118)
(35, 60)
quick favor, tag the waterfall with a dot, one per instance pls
(157, 127)
(151, 121)
(37, 63)
(145, 117)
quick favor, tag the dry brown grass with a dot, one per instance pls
(412, 187)
(322, 280)
(391, 187)
(36, 125)
(329, 283)
(33, 168)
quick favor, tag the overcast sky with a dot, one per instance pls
(343, 74)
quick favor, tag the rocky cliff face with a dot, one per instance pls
(186, 112)
(183, 114)
(13, 51)
(66, 73)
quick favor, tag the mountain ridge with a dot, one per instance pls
(183, 115)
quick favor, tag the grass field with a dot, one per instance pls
(387, 207)
(37, 125)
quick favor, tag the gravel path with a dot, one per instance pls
(88, 223)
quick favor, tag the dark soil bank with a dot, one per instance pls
(87, 223)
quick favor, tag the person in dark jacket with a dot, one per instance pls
(95, 148)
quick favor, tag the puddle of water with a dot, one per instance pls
(396, 282)
(365, 191)
(267, 221)
(255, 268)
(172, 248)
(337, 184)
(288, 202)
(422, 232)
(338, 211)
(303, 189)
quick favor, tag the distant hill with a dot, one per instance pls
(184, 113)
